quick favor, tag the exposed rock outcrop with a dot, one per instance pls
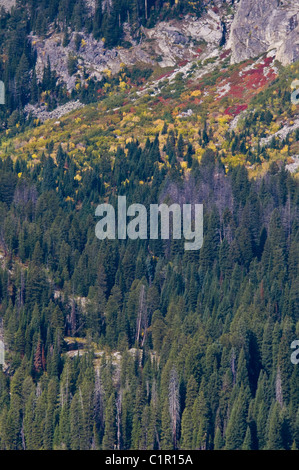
(44, 115)
(262, 25)
(7, 4)
(293, 167)
(167, 43)
(283, 132)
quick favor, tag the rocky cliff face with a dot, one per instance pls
(249, 28)
(168, 44)
(258, 26)
(7, 4)
(262, 25)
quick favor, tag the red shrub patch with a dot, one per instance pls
(268, 61)
(164, 75)
(225, 54)
(163, 100)
(184, 62)
(236, 109)
(236, 91)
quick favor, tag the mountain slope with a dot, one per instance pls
(234, 110)
(164, 34)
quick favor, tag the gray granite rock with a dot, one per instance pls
(262, 25)
(7, 4)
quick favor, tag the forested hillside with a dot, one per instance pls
(104, 20)
(175, 349)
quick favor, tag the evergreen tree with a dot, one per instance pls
(237, 424)
(109, 439)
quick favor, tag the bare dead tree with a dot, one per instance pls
(23, 436)
(21, 290)
(118, 418)
(154, 410)
(174, 404)
(278, 388)
(64, 388)
(73, 315)
(98, 398)
(233, 365)
(142, 309)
